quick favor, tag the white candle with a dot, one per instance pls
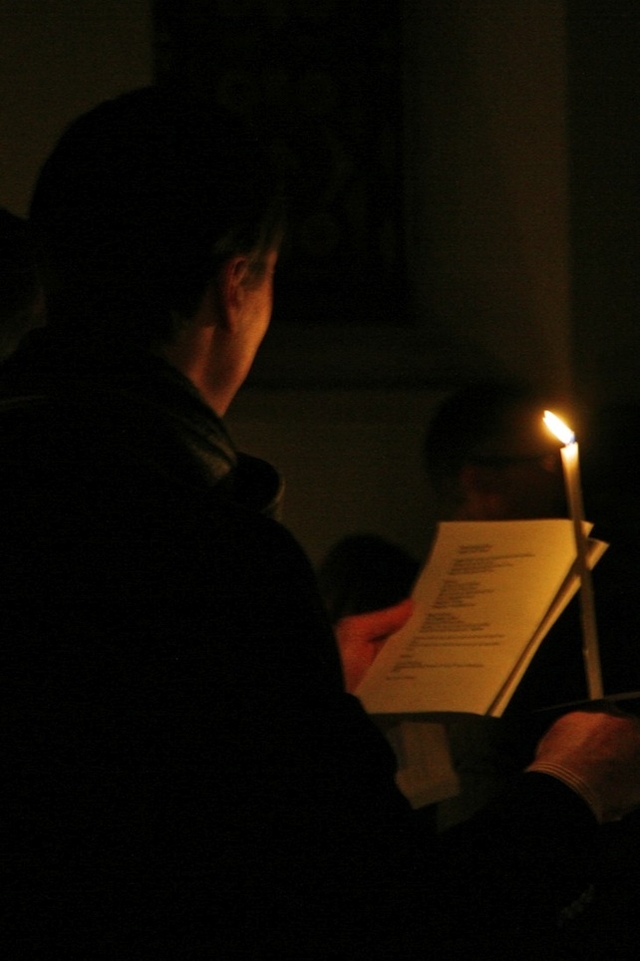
(571, 468)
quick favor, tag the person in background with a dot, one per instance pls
(364, 572)
(488, 456)
(185, 774)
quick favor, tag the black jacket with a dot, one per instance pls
(185, 776)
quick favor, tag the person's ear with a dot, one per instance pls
(231, 286)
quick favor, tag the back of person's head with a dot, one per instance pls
(488, 454)
(365, 572)
(19, 300)
(140, 203)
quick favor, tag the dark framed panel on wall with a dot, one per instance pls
(322, 78)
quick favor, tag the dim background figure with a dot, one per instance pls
(488, 456)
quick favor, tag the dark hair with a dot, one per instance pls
(140, 202)
(365, 572)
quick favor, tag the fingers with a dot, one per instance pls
(360, 637)
(379, 625)
(597, 754)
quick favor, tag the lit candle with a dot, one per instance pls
(571, 468)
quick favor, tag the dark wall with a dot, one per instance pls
(604, 114)
(322, 82)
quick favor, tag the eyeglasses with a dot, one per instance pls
(549, 461)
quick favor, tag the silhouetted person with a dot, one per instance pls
(365, 572)
(184, 773)
(488, 455)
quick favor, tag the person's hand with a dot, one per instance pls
(360, 637)
(597, 754)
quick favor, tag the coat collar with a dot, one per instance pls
(132, 408)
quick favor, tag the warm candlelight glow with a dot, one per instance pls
(571, 469)
(559, 428)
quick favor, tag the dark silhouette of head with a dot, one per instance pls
(365, 572)
(140, 202)
(489, 456)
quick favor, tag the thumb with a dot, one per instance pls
(360, 637)
(379, 625)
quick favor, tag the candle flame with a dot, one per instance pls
(559, 428)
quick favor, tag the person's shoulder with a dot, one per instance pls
(256, 541)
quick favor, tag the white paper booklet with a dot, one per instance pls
(486, 598)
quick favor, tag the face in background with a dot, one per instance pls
(516, 474)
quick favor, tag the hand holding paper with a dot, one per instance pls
(598, 756)
(360, 638)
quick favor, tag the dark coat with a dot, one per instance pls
(184, 775)
(186, 762)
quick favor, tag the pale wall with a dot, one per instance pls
(488, 189)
